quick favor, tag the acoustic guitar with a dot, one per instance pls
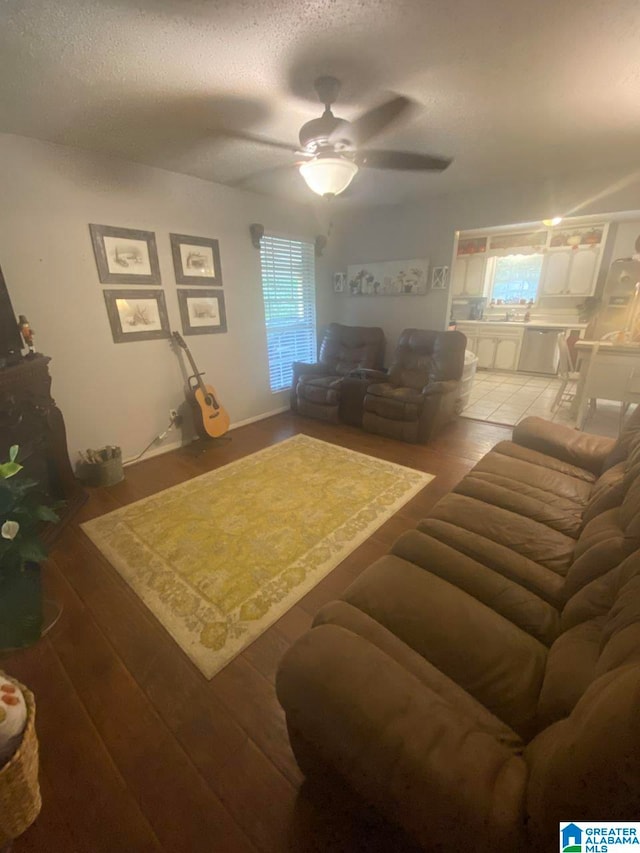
(211, 419)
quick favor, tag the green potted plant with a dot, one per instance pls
(22, 515)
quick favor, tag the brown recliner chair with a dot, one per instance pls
(316, 389)
(418, 398)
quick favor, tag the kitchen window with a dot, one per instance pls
(289, 291)
(516, 278)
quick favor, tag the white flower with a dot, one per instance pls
(9, 529)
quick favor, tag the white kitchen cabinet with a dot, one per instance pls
(486, 351)
(476, 266)
(468, 275)
(497, 345)
(458, 276)
(555, 273)
(570, 272)
(583, 272)
(471, 336)
(507, 353)
(470, 331)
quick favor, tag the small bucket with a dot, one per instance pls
(106, 472)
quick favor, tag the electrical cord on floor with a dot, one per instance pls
(174, 422)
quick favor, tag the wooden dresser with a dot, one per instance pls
(30, 418)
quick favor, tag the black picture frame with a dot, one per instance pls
(186, 312)
(105, 262)
(116, 314)
(198, 279)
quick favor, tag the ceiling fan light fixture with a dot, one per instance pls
(328, 176)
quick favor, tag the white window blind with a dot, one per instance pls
(288, 287)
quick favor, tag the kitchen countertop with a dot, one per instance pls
(532, 324)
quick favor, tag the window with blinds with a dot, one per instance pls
(288, 287)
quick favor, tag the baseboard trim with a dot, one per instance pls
(255, 418)
(175, 445)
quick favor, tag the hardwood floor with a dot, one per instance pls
(139, 752)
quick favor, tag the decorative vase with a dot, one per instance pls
(20, 606)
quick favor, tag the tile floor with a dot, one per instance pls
(506, 398)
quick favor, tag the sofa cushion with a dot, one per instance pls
(507, 597)
(601, 528)
(597, 597)
(630, 510)
(559, 514)
(587, 766)
(395, 392)
(355, 620)
(320, 389)
(544, 462)
(524, 536)
(602, 632)
(344, 348)
(523, 466)
(606, 541)
(630, 432)
(502, 666)
(542, 582)
(571, 667)
(632, 462)
(608, 492)
(395, 403)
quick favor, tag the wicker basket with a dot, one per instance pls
(19, 790)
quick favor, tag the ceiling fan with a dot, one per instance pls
(332, 147)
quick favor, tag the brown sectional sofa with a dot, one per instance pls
(481, 682)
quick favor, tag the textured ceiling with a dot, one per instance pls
(512, 90)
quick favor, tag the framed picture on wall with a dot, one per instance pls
(439, 278)
(339, 282)
(125, 256)
(137, 315)
(389, 278)
(202, 312)
(196, 260)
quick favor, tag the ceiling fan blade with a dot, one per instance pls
(252, 137)
(374, 121)
(261, 173)
(401, 160)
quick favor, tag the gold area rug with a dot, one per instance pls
(221, 557)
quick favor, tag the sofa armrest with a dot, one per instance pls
(299, 368)
(416, 757)
(445, 386)
(368, 374)
(563, 442)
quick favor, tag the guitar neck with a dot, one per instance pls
(196, 373)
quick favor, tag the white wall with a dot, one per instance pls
(625, 238)
(427, 230)
(121, 393)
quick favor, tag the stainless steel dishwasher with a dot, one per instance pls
(539, 353)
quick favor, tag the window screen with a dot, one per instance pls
(288, 287)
